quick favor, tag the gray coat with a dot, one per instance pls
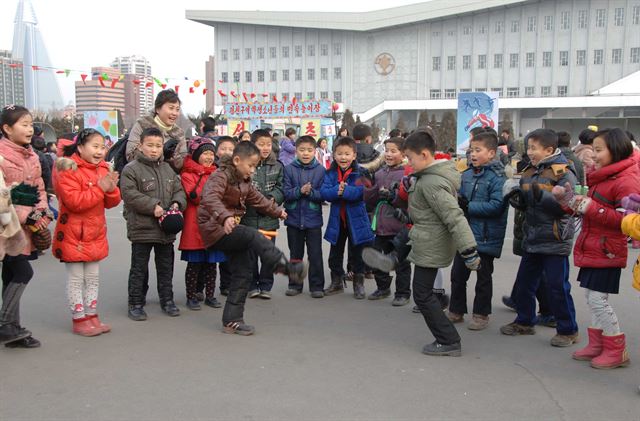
(176, 133)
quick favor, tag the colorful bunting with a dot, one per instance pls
(204, 91)
(113, 82)
(84, 78)
(101, 82)
(190, 89)
(222, 94)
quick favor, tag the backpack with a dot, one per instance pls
(117, 155)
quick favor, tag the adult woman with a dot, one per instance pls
(164, 116)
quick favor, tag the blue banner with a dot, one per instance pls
(257, 111)
(475, 109)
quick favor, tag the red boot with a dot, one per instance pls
(593, 348)
(614, 353)
(85, 327)
(95, 320)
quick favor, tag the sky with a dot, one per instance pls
(80, 34)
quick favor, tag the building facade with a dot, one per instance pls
(92, 96)
(140, 67)
(11, 80)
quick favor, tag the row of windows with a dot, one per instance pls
(530, 59)
(529, 91)
(599, 20)
(273, 75)
(273, 52)
(337, 96)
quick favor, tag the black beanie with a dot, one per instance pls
(209, 146)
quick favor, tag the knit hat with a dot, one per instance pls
(171, 222)
(198, 145)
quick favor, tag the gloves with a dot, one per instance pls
(515, 199)
(384, 194)
(631, 203)
(402, 216)
(24, 195)
(463, 202)
(581, 205)
(471, 259)
(407, 182)
(564, 195)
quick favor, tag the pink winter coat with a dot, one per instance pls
(21, 165)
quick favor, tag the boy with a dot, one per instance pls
(379, 199)
(548, 237)
(224, 147)
(224, 200)
(482, 201)
(268, 181)
(348, 219)
(366, 155)
(303, 180)
(149, 187)
(438, 226)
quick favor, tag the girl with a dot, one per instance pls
(244, 136)
(201, 267)
(85, 186)
(323, 154)
(22, 167)
(601, 248)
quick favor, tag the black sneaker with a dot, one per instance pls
(416, 310)
(317, 294)
(12, 333)
(212, 302)
(400, 301)
(292, 292)
(137, 313)
(169, 308)
(199, 297)
(28, 342)
(239, 328)
(378, 260)
(193, 304)
(379, 294)
(438, 349)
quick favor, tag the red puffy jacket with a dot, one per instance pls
(81, 231)
(601, 243)
(193, 176)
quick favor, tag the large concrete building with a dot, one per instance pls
(140, 67)
(11, 80)
(556, 62)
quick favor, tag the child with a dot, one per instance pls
(287, 146)
(224, 199)
(584, 152)
(481, 199)
(85, 186)
(302, 183)
(348, 219)
(385, 225)
(439, 227)
(548, 234)
(323, 154)
(601, 249)
(268, 181)
(150, 187)
(201, 267)
(20, 165)
(224, 147)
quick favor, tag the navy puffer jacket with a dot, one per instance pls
(304, 211)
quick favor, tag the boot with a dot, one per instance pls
(85, 327)
(593, 348)
(95, 320)
(11, 333)
(614, 353)
(358, 286)
(337, 285)
(378, 260)
(296, 271)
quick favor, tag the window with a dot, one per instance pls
(260, 75)
(497, 61)
(285, 75)
(260, 53)
(582, 19)
(465, 90)
(224, 55)
(482, 61)
(497, 90)
(435, 64)
(548, 23)
(545, 91)
(616, 56)
(451, 33)
(636, 15)
(236, 54)
(581, 57)
(324, 95)
(451, 63)
(273, 75)
(597, 56)
(324, 49)
(449, 93)
(285, 52)
(236, 77)
(546, 58)
(298, 95)
(337, 72)
(311, 50)
(513, 60)
(601, 16)
(273, 52)
(618, 16)
(532, 21)
(499, 27)
(225, 77)
(311, 95)
(324, 73)
(298, 74)
(531, 60)
(466, 62)
(337, 96)
(562, 90)
(564, 58)
(247, 53)
(247, 76)
(515, 26)
(297, 51)
(311, 74)
(435, 34)
(513, 92)
(565, 21)
(466, 30)
(529, 91)
(337, 49)
(635, 55)
(483, 29)
(481, 89)
(435, 94)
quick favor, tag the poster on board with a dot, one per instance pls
(475, 109)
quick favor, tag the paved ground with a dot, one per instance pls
(334, 358)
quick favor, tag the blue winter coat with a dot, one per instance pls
(487, 212)
(357, 217)
(304, 211)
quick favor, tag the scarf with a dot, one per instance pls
(161, 125)
(342, 176)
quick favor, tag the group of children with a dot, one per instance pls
(228, 200)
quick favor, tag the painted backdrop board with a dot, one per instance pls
(475, 109)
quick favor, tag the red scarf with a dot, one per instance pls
(342, 176)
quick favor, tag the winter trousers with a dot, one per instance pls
(82, 288)
(16, 274)
(312, 238)
(602, 314)
(200, 277)
(336, 255)
(139, 272)
(484, 286)
(262, 274)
